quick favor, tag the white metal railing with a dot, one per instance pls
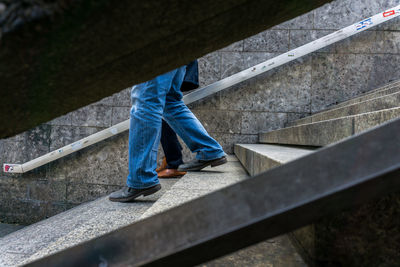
(215, 87)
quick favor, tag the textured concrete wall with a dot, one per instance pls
(306, 86)
(48, 46)
(237, 115)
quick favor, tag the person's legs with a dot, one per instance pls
(173, 154)
(148, 101)
(188, 127)
(171, 146)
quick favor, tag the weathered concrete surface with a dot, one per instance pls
(101, 216)
(257, 158)
(264, 103)
(382, 91)
(376, 104)
(95, 48)
(365, 236)
(196, 184)
(74, 226)
(96, 171)
(330, 131)
(276, 252)
(364, 167)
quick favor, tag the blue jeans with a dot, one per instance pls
(152, 101)
(171, 146)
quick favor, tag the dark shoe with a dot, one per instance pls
(197, 165)
(163, 165)
(170, 173)
(127, 194)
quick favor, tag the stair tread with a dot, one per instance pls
(378, 94)
(101, 216)
(345, 117)
(279, 153)
(386, 89)
(197, 184)
(257, 158)
(377, 104)
(329, 131)
(73, 226)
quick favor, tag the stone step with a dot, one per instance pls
(381, 91)
(375, 104)
(384, 87)
(326, 132)
(196, 184)
(314, 240)
(377, 93)
(101, 216)
(257, 158)
(74, 226)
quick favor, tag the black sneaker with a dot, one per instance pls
(197, 165)
(127, 194)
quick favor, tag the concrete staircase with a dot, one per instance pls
(305, 136)
(101, 216)
(74, 226)
(344, 120)
(379, 99)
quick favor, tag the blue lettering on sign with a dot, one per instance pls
(363, 24)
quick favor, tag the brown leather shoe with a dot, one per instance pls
(163, 165)
(170, 173)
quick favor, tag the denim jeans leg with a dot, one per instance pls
(171, 146)
(148, 101)
(189, 128)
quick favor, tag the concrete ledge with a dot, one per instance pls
(330, 131)
(257, 158)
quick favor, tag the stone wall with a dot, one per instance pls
(236, 115)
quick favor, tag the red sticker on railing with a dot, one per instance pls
(389, 13)
(7, 167)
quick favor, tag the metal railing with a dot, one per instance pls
(215, 87)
